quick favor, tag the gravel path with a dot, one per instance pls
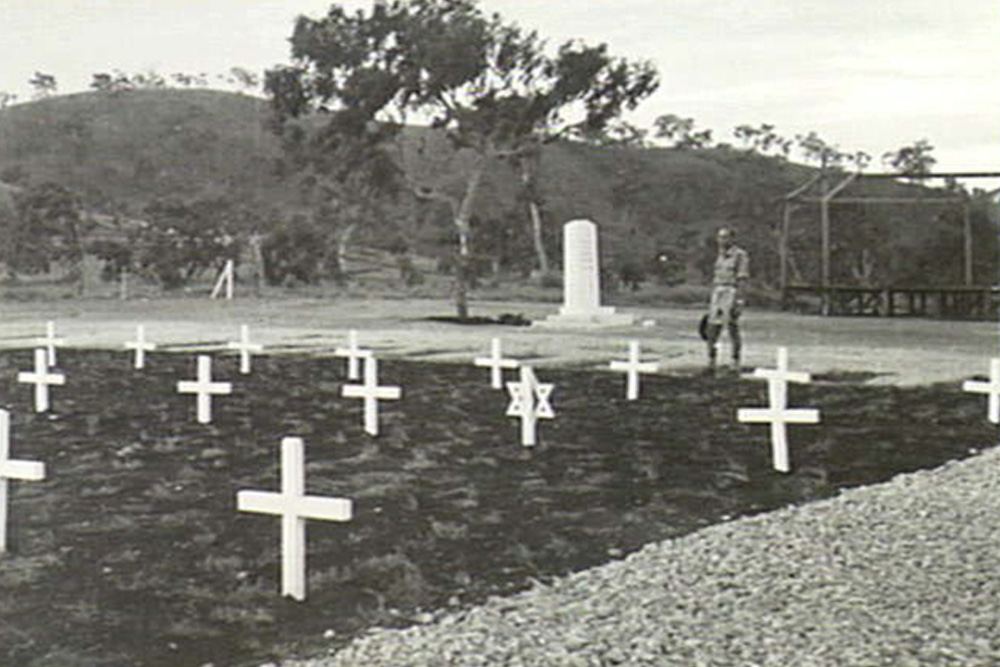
(903, 573)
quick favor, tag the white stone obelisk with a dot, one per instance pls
(582, 282)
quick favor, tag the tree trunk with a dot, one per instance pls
(536, 215)
(343, 238)
(257, 257)
(463, 223)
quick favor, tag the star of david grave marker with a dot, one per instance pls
(582, 282)
(992, 388)
(30, 471)
(204, 388)
(777, 413)
(371, 393)
(41, 378)
(632, 368)
(245, 347)
(530, 401)
(496, 363)
(353, 354)
(140, 346)
(294, 507)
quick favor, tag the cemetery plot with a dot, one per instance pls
(132, 551)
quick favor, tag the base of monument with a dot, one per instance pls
(606, 317)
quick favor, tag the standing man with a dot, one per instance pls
(732, 272)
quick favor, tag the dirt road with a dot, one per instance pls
(892, 351)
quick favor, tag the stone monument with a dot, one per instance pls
(582, 282)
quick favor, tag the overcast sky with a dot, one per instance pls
(868, 75)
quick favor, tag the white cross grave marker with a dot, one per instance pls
(140, 346)
(31, 471)
(294, 507)
(529, 400)
(204, 388)
(632, 368)
(245, 347)
(992, 388)
(50, 342)
(41, 378)
(777, 413)
(353, 354)
(371, 392)
(496, 363)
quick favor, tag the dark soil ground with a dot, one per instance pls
(131, 552)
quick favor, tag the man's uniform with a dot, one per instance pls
(731, 266)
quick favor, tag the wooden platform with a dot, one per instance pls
(946, 302)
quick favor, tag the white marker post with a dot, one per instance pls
(245, 347)
(529, 400)
(31, 471)
(371, 392)
(778, 414)
(140, 346)
(50, 342)
(992, 388)
(496, 363)
(41, 378)
(353, 354)
(294, 507)
(632, 368)
(225, 281)
(204, 388)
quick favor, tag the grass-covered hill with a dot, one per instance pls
(120, 151)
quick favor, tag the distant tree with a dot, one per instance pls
(115, 82)
(815, 149)
(183, 239)
(860, 160)
(182, 79)
(762, 139)
(50, 228)
(680, 132)
(6, 99)
(148, 79)
(912, 160)
(294, 251)
(621, 134)
(246, 80)
(488, 85)
(44, 85)
(101, 82)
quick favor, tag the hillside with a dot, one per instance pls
(120, 151)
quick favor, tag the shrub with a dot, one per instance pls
(294, 252)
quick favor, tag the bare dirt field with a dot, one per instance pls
(132, 553)
(899, 351)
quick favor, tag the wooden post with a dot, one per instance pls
(967, 220)
(824, 217)
(824, 224)
(786, 223)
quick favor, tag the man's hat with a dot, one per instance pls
(703, 327)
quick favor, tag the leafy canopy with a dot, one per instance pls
(489, 84)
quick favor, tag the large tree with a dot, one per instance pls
(490, 86)
(914, 160)
(49, 228)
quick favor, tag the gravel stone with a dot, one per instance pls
(901, 573)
